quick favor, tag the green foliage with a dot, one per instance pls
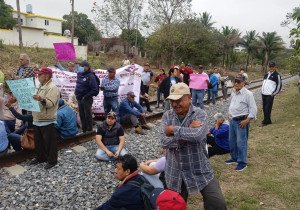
(133, 37)
(84, 29)
(6, 17)
(206, 20)
(248, 42)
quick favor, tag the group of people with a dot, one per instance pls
(184, 129)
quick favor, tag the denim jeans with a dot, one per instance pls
(158, 95)
(101, 155)
(111, 104)
(211, 96)
(238, 140)
(198, 95)
(15, 141)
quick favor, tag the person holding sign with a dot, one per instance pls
(44, 129)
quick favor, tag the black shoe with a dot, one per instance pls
(50, 165)
(149, 110)
(35, 162)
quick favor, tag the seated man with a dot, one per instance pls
(218, 137)
(3, 139)
(127, 195)
(110, 139)
(130, 116)
(151, 170)
(66, 125)
(144, 98)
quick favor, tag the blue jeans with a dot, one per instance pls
(198, 95)
(101, 155)
(238, 140)
(211, 95)
(111, 104)
(15, 141)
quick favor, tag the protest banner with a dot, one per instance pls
(65, 51)
(23, 90)
(129, 76)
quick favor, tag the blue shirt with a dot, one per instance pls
(221, 136)
(3, 137)
(127, 107)
(214, 82)
(110, 87)
(66, 123)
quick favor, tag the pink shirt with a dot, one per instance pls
(198, 81)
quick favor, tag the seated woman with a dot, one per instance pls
(218, 137)
(66, 125)
(110, 139)
(14, 138)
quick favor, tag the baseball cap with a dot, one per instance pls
(44, 70)
(201, 67)
(112, 114)
(178, 90)
(147, 64)
(85, 63)
(130, 93)
(240, 77)
(167, 199)
(272, 64)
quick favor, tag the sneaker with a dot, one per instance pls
(230, 161)
(139, 130)
(241, 167)
(50, 165)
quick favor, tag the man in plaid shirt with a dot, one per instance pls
(183, 135)
(25, 70)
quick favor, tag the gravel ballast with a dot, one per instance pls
(79, 181)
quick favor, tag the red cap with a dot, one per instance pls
(44, 70)
(169, 199)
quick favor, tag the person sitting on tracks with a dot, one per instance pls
(110, 139)
(14, 138)
(127, 194)
(131, 113)
(66, 125)
(218, 137)
(144, 98)
(3, 139)
(152, 170)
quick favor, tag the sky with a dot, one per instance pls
(245, 15)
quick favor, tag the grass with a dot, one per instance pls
(272, 180)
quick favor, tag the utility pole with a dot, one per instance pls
(19, 25)
(72, 29)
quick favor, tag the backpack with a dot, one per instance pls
(98, 83)
(146, 191)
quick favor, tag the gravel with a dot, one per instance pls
(79, 181)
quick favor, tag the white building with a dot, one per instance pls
(37, 31)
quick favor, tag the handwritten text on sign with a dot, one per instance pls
(65, 51)
(23, 90)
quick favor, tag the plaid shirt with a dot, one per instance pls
(110, 87)
(25, 72)
(186, 155)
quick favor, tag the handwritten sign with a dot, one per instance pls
(65, 51)
(23, 90)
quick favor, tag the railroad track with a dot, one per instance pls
(14, 158)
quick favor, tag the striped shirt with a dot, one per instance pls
(111, 87)
(186, 155)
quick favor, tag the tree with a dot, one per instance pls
(248, 42)
(206, 20)
(84, 29)
(270, 44)
(230, 38)
(6, 16)
(167, 11)
(133, 37)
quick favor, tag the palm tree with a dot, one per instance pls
(206, 20)
(230, 39)
(270, 43)
(248, 42)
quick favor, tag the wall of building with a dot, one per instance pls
(32, 38)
